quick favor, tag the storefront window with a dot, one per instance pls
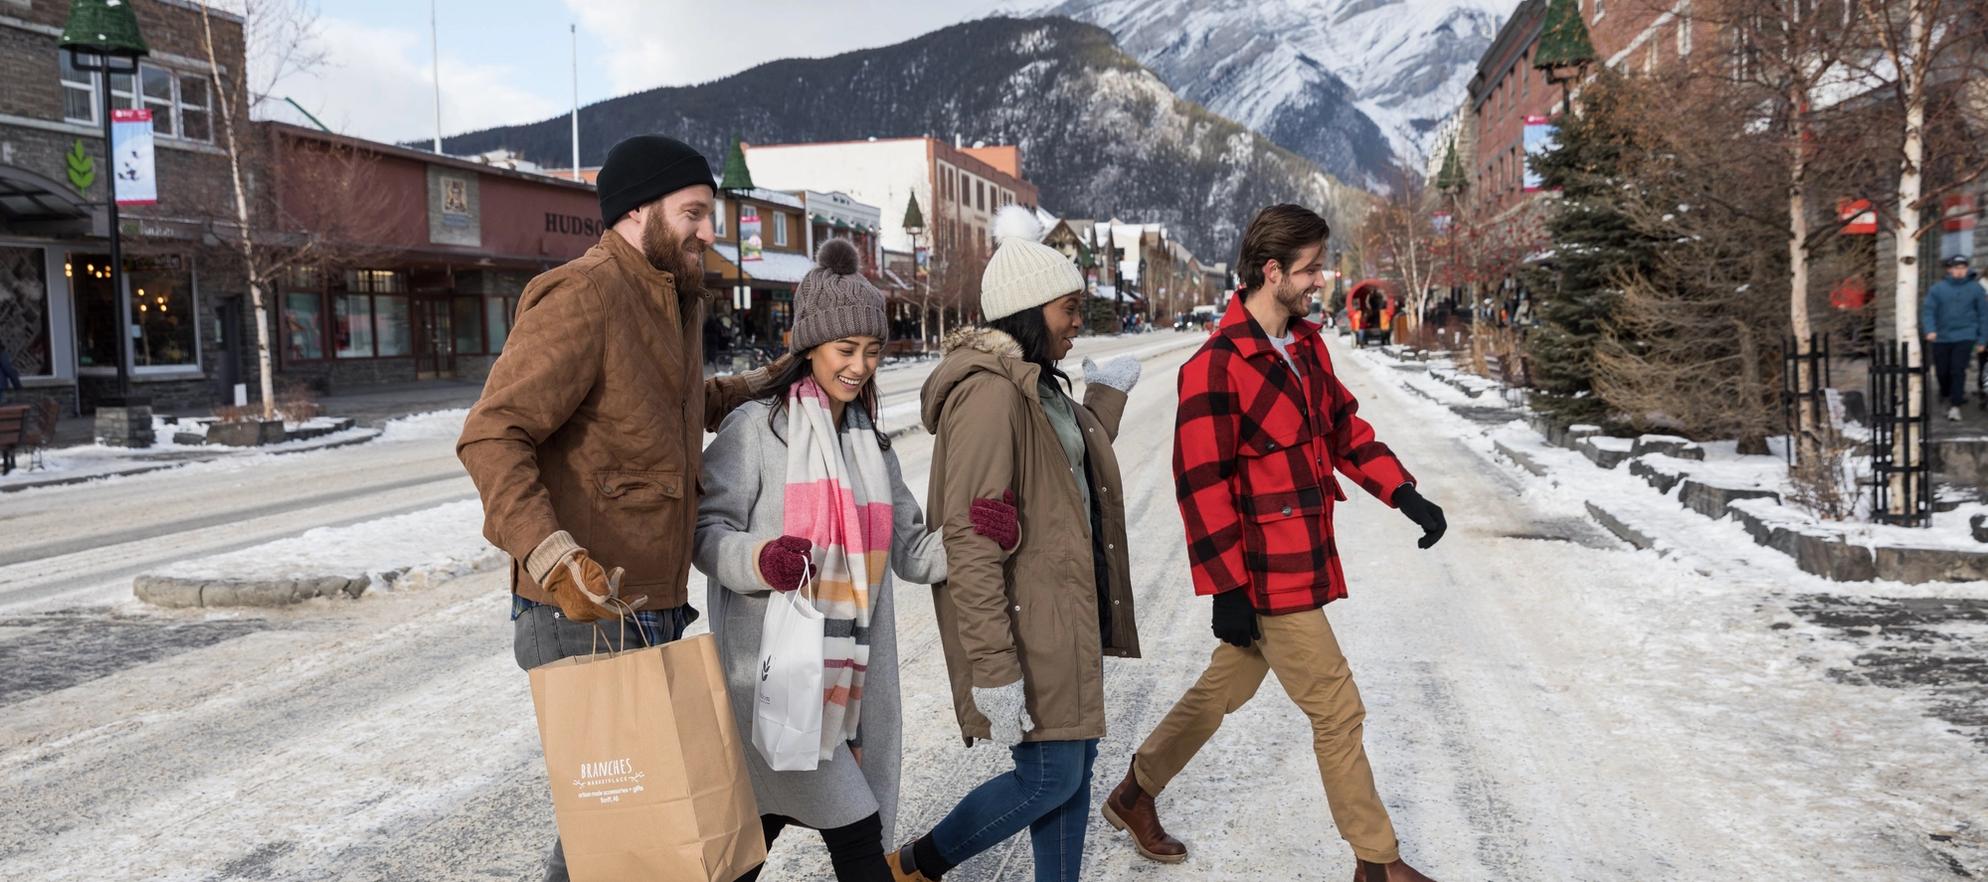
(396, 328)
(497, 315)
(303, 326)
(353, 328)
(24, 310)
(468, 325)
(163, 308)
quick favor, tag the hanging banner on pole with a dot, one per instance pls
(134, 179)
(750, 244)
(1541, 136)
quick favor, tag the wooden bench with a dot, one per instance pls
(14, 426)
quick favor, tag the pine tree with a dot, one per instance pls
(1594, 246)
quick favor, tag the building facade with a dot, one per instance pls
(774, 229)
(59, 317)
(958, 191)
(407, 265)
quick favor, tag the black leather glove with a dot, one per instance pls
(1235, 618)
(1425, 514)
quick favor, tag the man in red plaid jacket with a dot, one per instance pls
(1263, 425)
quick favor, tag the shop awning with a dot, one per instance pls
(773, 266)
(32, 203)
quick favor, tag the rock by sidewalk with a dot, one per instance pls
(174, 592)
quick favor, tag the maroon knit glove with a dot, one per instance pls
(997, 520)
(784, 562)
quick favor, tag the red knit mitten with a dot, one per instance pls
(998, 520)
(784, 562)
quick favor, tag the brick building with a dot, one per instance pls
(58, 314)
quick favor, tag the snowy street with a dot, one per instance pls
(1543, 702)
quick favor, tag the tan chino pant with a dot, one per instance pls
(1301, 649)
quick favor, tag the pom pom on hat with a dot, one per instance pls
(839, 256)
(1024, 273)
(1017, 222)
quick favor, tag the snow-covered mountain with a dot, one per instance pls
(1353, 84)
(1099, 133)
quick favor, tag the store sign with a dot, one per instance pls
(1957, 212)
(1857, 217)
(135, 177)
(1541, 136)
(572, 225)
(455, 208)
(751, 246)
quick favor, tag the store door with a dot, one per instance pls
(434, 340)
(228, 318)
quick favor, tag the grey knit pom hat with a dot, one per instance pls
(834, 301)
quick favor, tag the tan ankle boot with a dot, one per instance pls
(1131, 809)
(1398, 871)
(897, 872)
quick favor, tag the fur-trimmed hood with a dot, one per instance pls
(969, 351)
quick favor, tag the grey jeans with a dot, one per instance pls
(540, 634)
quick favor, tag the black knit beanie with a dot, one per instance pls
(645, 168)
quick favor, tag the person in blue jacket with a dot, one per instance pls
(1955, 320)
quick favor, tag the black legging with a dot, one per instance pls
(855, 850)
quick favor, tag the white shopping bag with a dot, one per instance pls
(786, 715)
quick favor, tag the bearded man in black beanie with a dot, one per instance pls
(587, 442)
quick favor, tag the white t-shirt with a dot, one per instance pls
(1283, 345)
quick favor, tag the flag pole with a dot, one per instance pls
(575, 30)
(435, 53)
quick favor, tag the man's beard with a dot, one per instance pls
(665, 252)
(1298, 302)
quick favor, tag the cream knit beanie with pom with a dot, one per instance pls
(1023, 273)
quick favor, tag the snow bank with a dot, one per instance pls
(415, 549)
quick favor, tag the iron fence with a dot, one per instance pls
(1900, 421)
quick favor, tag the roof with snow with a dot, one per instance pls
(774, 266)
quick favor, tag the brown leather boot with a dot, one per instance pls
(897, 873)
(1130, 809)
(1398, 871)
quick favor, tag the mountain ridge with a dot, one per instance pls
(1100, 134)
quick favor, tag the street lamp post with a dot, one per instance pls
(103, 36)
(914, 226)
(736, 182)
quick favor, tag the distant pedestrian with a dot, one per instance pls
(1954, 318)
(1027, 614)
(1263, 423)
(587, 441)
(9, 377)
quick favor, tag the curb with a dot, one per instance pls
(174, 593)
(1622, 530)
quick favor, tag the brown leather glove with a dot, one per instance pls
(584, 590)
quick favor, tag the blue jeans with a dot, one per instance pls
(1049, 792)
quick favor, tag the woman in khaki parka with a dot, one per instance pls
(1027, 614)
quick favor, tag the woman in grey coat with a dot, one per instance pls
(750, 549)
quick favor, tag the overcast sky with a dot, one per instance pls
(511, 61)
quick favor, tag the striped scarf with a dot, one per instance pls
(838, 497)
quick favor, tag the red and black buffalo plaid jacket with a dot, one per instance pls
(1255, 447)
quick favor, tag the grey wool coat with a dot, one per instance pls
(744, 490)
